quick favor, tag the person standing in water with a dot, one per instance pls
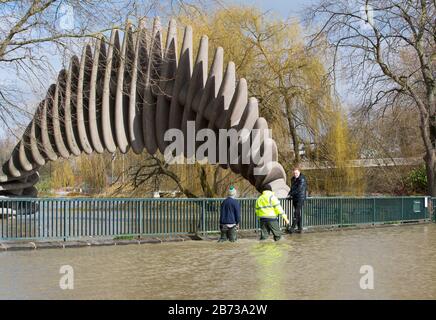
(230, 217)
(268, 210)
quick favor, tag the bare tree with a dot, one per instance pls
(203, 181)
(387, 49)
(37, 37)
(34, 37)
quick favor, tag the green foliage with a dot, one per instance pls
(417, 180)
(62, 174)
(44, 185)
(93, 171)
(337, 150)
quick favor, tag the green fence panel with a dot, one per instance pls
(59, 218)
(433, 202)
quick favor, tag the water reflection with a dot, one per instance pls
(318, 266)
(270, 261)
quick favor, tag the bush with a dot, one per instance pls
(417, 180)
(44, 185)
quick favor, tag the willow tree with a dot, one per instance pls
(341, 177)
(288, 79)
(286, 76)
(93, 171)
(62, 175)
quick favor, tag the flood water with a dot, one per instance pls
(310, 266)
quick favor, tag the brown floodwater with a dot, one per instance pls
(310, 266)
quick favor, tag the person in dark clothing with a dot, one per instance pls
(230, 217)
(298, 195)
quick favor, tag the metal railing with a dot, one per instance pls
(433, 209)
(33, 218)
(354, 211)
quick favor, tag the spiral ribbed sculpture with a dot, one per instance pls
(127, 96)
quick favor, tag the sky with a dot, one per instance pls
(295, 9)
(282, 8)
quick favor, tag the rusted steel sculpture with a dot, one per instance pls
(127, 96)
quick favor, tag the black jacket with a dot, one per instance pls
(230, 211)
(298, 188)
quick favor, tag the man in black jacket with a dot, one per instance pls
(297, 194)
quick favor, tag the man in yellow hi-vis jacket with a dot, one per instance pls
(268, 209)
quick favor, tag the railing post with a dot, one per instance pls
(426, 201)
(432, 209)
(65, 221)
(139, 218)
(340, 217)
(203, 218)
(431, 214)
(373, 212)
(290, 212)
(402, 209)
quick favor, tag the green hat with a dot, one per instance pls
(232, 191)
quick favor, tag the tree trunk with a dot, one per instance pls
(430, 157)
(430, 167)
(292, 131)
(295, 142)
(207, 190)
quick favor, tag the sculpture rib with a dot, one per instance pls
(129, 96)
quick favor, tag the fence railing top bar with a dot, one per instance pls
(202, 199)
(102, 199)
(372, 197)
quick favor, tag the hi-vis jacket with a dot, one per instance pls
(268, 206)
